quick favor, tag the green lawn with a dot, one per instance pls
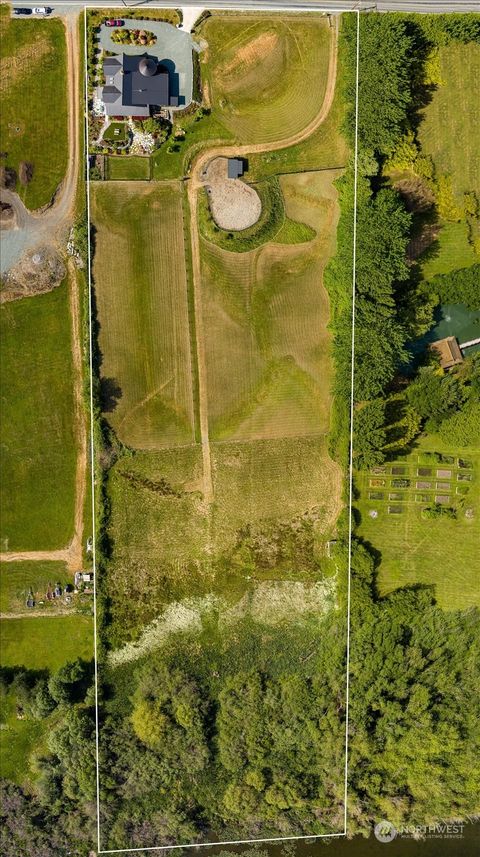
(33, 119)
(414, 550)
(452, 250)
(116, 131)
(18, 578)
(128, 168)
(449, 130)
(38, 454)
(46, 642)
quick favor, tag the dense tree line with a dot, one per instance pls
(207, 747)
(458, 287)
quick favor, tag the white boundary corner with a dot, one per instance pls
(271, 8)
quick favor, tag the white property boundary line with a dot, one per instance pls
(350, 464)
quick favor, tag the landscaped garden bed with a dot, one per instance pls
(126, 36)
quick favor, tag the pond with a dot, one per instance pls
(449, 320)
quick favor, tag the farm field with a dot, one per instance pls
(266, 76)
(442, 552)
(37, 425)
(131, 168)
(141, 294)
(29, 86)
(265, 319)
(452, 115)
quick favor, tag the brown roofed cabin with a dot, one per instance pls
(449, 352)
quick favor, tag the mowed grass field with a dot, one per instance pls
(131, 168)
(265, 316)
(266, 76)
(38, 445)
(46, 642)
(141, 294)
(169, 547)
(33, 92)
(449, 129)
(413, 550)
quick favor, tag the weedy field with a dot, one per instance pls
(441, 552)
(33, 119)
(266, 76)
(37, 432)
(140, 282)
(276, 502)
(265, 319)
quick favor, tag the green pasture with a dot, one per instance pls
(449, 129)
(38, 454)
(441, 551)
(450, 251)
(128, 168)
(45, 642)
(18, 739)
(17, 579)
(33, 90)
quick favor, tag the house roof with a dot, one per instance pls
(234, 168)
(110, 94)
(449, 351)
(133, 83)
(150, 86)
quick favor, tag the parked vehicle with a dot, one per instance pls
(114, 22)
(42, 10)
(19, 10)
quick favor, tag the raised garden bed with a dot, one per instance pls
(423, 484)
(444, 474)
(398, 470)
(377, 483)
(395, 510)
(400, 483)
(424, 471)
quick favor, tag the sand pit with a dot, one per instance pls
(234, 204)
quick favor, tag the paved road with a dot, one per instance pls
(430, 6)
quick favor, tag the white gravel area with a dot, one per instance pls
(234, 204)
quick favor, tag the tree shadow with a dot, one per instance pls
(110, 394)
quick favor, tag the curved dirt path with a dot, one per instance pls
(195, 183)
(49, 225)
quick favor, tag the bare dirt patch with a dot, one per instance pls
(234, 204)
(35, 274)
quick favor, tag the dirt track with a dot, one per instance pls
(195, 184)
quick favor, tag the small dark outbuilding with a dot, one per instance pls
(235, 168)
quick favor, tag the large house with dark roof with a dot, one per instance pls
(135, 83)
